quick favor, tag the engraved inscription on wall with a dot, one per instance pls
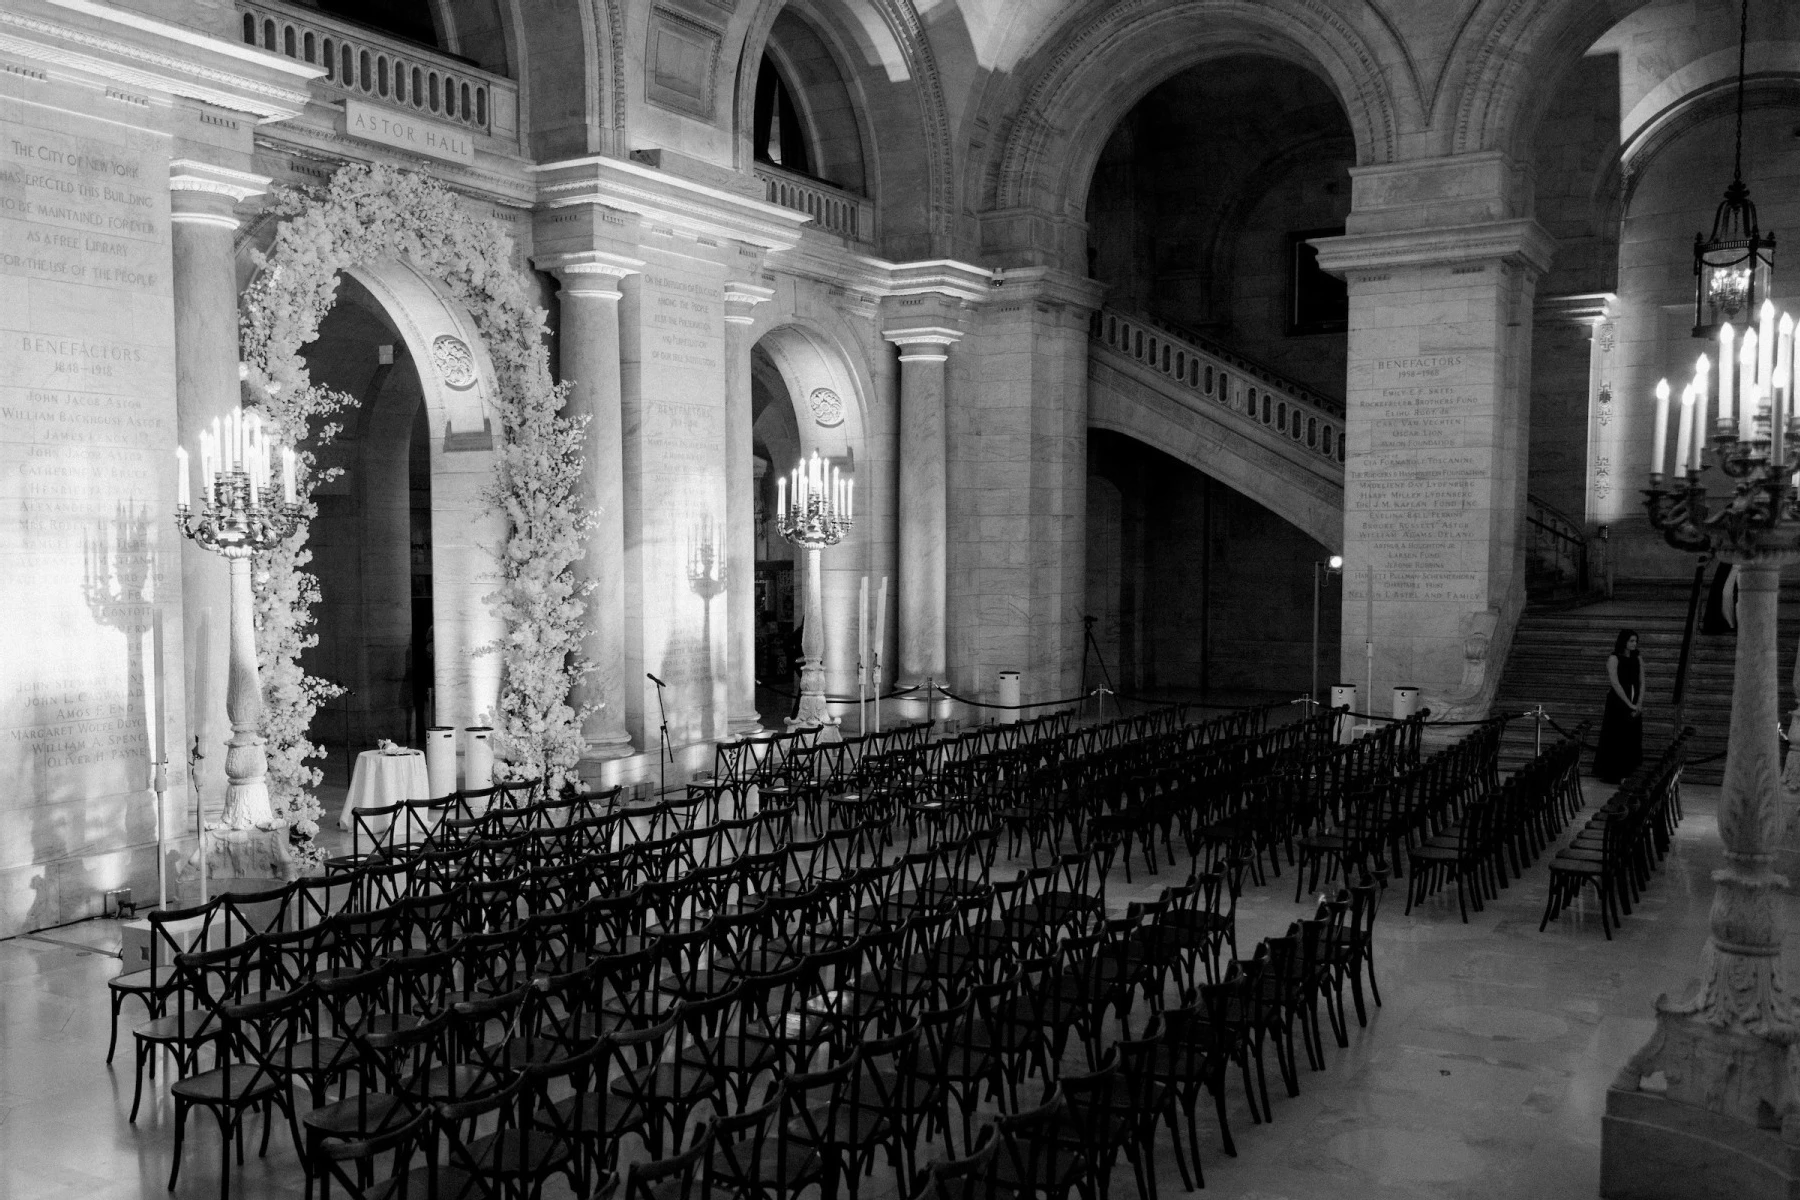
(1413, 499)
(681, 440)
(86, 427)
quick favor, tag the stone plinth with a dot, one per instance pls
(1657, 1148)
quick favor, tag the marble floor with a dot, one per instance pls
(1483, 1076)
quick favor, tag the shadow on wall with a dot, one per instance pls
(91, 813)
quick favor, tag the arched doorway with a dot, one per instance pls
(448, 462)
(806, 398)
(371, 540)
(1199, 213)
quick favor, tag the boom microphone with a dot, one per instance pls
(654, 679)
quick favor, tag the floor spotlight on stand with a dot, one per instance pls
(1331, 568)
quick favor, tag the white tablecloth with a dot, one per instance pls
(380, 779)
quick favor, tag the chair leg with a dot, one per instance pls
(180, 1132)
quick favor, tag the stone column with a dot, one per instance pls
(1438, 416)
(924, 504)
(1709, 1108)
(590, 365)
(204, 276)
(740, 509)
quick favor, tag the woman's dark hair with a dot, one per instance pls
(1619, 643)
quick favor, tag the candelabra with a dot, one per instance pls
(240, 516)
(820, 515)
(706, 564)
(1727, 1048)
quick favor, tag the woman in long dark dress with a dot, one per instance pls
(1622, 728)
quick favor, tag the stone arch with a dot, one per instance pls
(1080, 84)
(892, 75)
(1506, 60)
(579, 43)
(808, 359)
(464, 422)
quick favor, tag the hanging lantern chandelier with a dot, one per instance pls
(1733, 267)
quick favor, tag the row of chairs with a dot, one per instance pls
(1491, 831)
(1620, 846)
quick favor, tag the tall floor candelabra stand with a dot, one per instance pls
(813, 510)
(245, 509)
(1711, 1105)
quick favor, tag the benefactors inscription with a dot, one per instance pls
(1414, 499)
(87, 426)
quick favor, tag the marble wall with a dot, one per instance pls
(87, 428)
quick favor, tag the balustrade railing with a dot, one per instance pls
(833, 209)
(364, 64)
(1302, 418)
(1556, 554)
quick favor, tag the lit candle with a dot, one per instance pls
(1749, 399)
(1765, 349)
(850, 498)
(1684, 429)
(1727, 340)
(1702, 377)
(781, 497)
(287, 473)
(1660, 443)
(862, 629)
(181, 477)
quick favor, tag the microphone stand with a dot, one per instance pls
(667, 755)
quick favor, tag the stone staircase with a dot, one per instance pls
(1558, 659)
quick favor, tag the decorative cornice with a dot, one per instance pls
(666, 199)
(180, 69)
(1522, 241)
(942, 277)
(1582, 308)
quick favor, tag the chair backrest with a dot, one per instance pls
(1039, 1162)
(353, 1164)
(175, 931)
(250, 914)
(681, 1177)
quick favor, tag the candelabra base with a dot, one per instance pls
(814, 712)
(1700, 1114)
(243, 854)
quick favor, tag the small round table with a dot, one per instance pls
(381, 778)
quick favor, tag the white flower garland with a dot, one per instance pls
(368, 214)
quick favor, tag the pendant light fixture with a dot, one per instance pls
(1734, 266)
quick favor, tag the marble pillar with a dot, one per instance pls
(924, 504)
(590, 365)
(1438, 415)
(203, 226)
(741, 300)
(1709, 1108)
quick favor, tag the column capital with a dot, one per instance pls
(1521, 242)
(925, 343)
(593, 273)
(742, 298)
(204, 194)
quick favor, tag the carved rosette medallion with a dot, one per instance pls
(827, 407)
(453, 361)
